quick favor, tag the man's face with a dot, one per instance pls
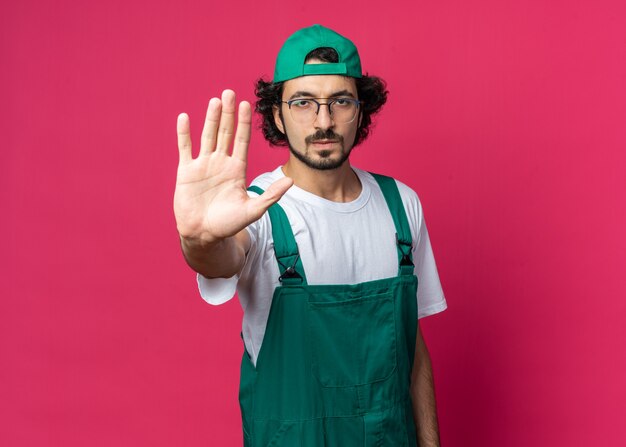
(321, 143)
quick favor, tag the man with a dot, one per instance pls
(324, 258)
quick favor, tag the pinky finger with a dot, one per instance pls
(184, 138)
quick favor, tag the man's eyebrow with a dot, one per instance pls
(301, 94)
(305, 94)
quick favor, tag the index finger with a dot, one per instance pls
(242, 135)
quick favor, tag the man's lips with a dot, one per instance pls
(324, 141)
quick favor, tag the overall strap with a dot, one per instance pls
(404, 240)
(285, 247)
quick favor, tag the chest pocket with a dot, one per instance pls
(352, 338)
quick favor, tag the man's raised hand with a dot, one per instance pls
(210, 201)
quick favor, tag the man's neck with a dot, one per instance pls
(338, 185)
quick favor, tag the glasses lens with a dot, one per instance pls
(305, 110)
(343, 110)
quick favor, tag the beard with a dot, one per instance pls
(324, 162)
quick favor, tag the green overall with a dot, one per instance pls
(334, 367)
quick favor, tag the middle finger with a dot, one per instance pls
(227, 121)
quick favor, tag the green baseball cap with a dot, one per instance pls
(290, 61)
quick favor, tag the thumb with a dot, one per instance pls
(271, 195)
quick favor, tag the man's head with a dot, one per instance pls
(323, 69)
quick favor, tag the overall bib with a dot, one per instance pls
(334, 367)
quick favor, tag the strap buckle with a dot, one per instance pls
(405, 248)
(290, 271)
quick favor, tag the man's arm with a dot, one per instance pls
(211, 204)
(423, 396)
(221, 259)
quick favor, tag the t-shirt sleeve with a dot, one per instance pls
(217, 291)
(430, 296)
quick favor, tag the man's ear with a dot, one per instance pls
(278, 120)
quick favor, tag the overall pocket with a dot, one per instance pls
(352, 339)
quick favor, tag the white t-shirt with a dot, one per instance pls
(339, 243)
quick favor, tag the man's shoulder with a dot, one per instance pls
(407, 193)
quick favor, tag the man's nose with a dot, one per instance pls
(324, 119)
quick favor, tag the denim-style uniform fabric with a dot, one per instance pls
(335, 365)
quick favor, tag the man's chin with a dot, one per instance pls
(326, 163)
(323, 160)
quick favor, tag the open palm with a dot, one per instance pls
(210, 201)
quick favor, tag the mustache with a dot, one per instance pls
(327, 134)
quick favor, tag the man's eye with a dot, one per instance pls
(342, 102)
(301, 103)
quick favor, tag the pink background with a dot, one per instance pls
(508, 118)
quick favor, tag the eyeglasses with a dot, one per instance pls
(341, 110)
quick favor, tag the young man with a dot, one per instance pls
(325, 258)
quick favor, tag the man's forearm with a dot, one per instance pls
(423, 397)
(221, 259)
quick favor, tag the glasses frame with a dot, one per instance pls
(329, 102)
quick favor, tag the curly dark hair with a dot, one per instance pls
(372, 92)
